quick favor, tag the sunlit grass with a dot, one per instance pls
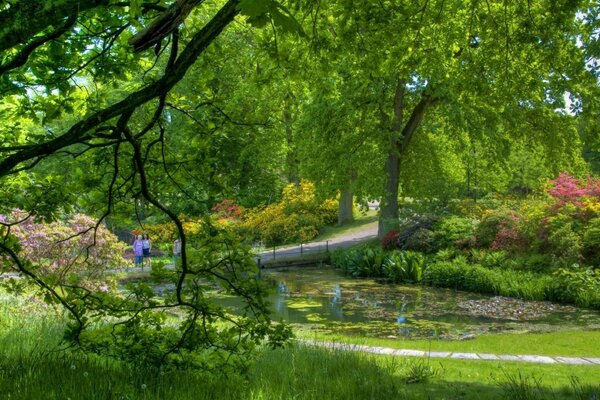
(570, 343)
(361, 221)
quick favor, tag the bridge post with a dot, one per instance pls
(300, 248)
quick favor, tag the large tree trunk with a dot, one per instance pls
(291, 158)
(346, 207)
(388, 216)
(400, 138)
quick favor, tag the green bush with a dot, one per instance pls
(416, 233)
(460, 275)
(449, 274)
(591, 243)
(565, 243)
(577, 285)
(422, 240)
(486, 233)
(361, 261)
(455, 231)
(488, 258)
(403, 266)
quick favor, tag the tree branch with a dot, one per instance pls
(201, 40)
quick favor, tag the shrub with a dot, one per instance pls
(455, 231)
(296, 218)
(577, 285)
(449, 274)
(416, 233)
(390, 240)
(167, 231)
(361, 261)
(591, 242)
(487, 258)
(228, 209)
(403, 266)
(328, 212)
(499, 230)
(421, 239)
(63, 247)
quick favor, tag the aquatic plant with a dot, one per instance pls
(403, 266)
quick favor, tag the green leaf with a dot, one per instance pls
(256, 8)
(135, 8)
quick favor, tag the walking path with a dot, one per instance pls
(366, 233)
(454, 355)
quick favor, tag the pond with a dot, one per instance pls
(324, 300)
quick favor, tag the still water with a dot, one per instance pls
(323, 299)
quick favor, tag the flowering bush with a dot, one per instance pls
(390, 240)
(498, 229)
(574, 204)
(228, 209)
(295, 219)
(167, 231)
(60, 248)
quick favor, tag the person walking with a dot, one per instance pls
(176, 251)
(146, 248)
(138, 251)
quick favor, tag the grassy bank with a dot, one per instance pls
(30, 368)
(574, 343)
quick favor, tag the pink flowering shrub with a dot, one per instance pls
(574, 203)
(582, 194)
(60, 248)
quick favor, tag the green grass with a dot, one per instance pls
(361, 222)
(32, 368)
(293, 373)
(311, 258)
(573, 343)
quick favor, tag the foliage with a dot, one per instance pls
(166, 232)
(459, 274)
(416, 233)
(403, 266)
(359, 261)
(295, 219)
(455, 231)
(591, 242)
(228, 209)
(421, 372)
(61, 250)
(390, 240)
(577, 285)
(498, 229)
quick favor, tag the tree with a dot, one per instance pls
(469, 61)
(88, 85)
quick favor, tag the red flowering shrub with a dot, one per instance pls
(390, 240)
(228, 209)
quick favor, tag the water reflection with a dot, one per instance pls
(327, 300)
(323, 299)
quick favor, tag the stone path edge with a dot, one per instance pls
(454, 355)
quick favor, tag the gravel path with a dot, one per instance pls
(455, 355)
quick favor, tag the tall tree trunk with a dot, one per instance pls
(346, 207)
(400, 138)
(388, 216)
(291, 157)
